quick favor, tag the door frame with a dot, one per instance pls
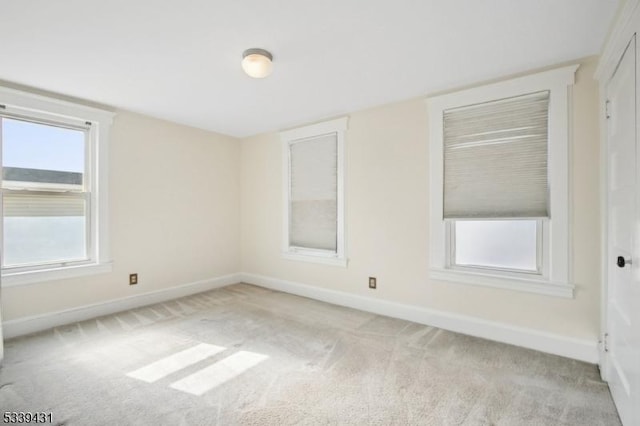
(626, 25)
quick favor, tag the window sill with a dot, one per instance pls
(324, 260)
(525, 284)
(31, 277)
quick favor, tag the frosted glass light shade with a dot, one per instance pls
(257, 63)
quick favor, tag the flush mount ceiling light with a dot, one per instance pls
(257, 63)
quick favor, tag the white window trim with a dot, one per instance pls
(337, 126)
(555, 279)
(37, 106)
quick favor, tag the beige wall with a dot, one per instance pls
(174, 217)
(387, 222)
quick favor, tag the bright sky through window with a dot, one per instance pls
(36, 146)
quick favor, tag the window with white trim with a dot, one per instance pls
(53, 188)
(313, 159)
(499, 198)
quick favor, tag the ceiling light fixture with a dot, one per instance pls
(257, 63)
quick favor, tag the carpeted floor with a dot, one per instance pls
(249, 356)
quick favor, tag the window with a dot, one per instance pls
(313, 158)
(495, 167)
(53, 191)
(499, 184)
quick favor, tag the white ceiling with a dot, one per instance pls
(180, 60)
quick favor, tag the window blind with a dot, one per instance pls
(313, 190)
(43, 205)
(495, 159)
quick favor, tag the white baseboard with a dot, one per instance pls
(28, 325)
(579, 349)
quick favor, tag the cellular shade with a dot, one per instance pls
(41, 205)
(313, 193)
(495, 159)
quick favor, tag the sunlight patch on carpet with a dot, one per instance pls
(219, 373)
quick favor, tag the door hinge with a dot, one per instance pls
(607, 109)
(605, 342)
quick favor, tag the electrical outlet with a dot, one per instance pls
(133, 279)
(372, 282)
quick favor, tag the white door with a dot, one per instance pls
(623, 304)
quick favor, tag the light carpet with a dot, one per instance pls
(244, 355)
